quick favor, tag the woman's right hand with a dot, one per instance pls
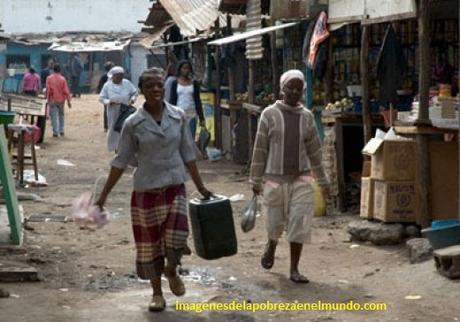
(100, 202)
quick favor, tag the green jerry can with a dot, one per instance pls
(213, 228)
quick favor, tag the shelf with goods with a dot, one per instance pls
(346, 59)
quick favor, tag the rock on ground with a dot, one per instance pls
(420, 250)
(376, 233)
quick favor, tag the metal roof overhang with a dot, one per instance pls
(250, 34)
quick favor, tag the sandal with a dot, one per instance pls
(296, 277)
(268, 258)
(176, 285)
(158, 304)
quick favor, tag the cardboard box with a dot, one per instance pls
(367, 198)
(395, 201)
(392, 160)
(444, 180)
(366, 169)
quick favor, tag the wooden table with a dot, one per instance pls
(252, 110)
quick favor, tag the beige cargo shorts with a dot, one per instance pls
(289, 207)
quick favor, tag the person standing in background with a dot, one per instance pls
(104, 78)
(31, 83)
(185, 93)
(57, 93)
(115, 92)
(47, 71)
(171, 73)
(76, 68)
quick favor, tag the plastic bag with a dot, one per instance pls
(249, 216)
(85, 213)
(203, 140)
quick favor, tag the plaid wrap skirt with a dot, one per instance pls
(160, 227)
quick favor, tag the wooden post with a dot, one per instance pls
(364, 69)
(423, 115)
(275, 65)
(329, 73)
(218, 111)
(251, 100)
(230, 70)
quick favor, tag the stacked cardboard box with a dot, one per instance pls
(391, 188)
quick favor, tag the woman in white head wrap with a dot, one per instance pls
(287, 152)
(115, 92)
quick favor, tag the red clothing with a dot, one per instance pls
(57, 90)
(31, 82)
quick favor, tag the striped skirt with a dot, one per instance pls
(160, 228)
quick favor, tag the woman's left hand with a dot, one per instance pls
(205, 192)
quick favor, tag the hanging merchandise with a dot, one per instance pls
(390, 68)
(320, 34)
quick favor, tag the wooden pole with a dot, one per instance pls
(230, 70)
(423, 115)
(364, 69)
(251, 100)
(218, 111)
(275, 65)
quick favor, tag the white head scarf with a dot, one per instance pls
(290, 75)
(116, 70)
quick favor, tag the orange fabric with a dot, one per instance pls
(57, 90)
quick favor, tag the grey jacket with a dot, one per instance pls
(160, 151)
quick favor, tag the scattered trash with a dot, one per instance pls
(237, 197)
(232, 278)
(214, 154)
(368, 274)
(413, 297)
(47, 218)
(64, 289)
(354, 246)
(66, 307)
(29, 178)
(65, 163)
(343, 282)
(15, 296)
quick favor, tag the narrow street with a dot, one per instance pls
(89, 275)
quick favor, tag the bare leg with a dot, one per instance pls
(156, 286)
(158, 302)
(296, 252)
(268, 258)
(175, 283)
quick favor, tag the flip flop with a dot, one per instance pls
(158, 304)
(268, 260)
(298, 278)
(176, 285)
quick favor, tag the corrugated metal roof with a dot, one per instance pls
(193, 15)
(90, 46)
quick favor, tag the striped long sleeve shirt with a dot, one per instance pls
(287, 145)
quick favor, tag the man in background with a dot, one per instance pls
(76, 68)
(104, 78)
(57, 93)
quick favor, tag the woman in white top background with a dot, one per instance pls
(116, 91)
(185, 93)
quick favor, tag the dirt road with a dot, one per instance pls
(89, 275)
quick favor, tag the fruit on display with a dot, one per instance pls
(343, 103)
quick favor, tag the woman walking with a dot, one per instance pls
(158, 139)
(287, 148)
(116, 91)
(185, 93)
